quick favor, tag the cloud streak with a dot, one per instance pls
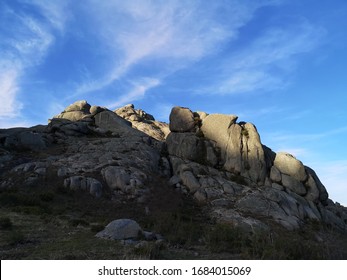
(137, 92)
(23, 49)
(268, 61)
(8, 91)
(167, 34)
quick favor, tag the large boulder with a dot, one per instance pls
(121, 229)
(75, 111)
(182, 120)
(288, 164)
(112, 122)
(82, 106)
(240, 146)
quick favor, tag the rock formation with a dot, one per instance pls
(218, 161)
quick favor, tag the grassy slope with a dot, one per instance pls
(47, 221)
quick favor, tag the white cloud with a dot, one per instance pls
(139, 90)
(268, 61)
(247, 81)
(21, 50)
(176, 34)
(31, 42)
(8, 90)
(56, 13)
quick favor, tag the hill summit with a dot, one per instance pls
(127, 157)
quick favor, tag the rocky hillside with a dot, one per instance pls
(127, 157)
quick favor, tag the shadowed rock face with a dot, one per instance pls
(218, 161)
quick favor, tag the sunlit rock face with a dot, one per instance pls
(244, 174)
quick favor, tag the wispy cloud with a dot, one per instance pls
(22, 49)
(268, 62)
(137, 92)
(167, 35)
(56, 13)
(8, 91)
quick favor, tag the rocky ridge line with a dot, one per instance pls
(213, 158)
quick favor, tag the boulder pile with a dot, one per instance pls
(213, 158)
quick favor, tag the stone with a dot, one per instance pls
(323, 194)
(91, 185)
(82, 106)
(144, 122)
(30, 167)
(201, 115)
(174, 180)
(76, 111)
(72, 116)
(181, 120)
(121, 229)
(186, 146)
(289, 165)
(96, 109)
(213, 193)
(277, 186)
(253, 155)
(112, 122)
(241, 151)
(25, 139)
(312, 189)
(216, 127)
(221, 203)
(258, 204)
(293, 184)
(116, 178)
(275, 175)
(189, 180)
(228, 188)
(200, 195)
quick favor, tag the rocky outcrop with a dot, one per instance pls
(91, 185)
(75, 111)
(182, 120)
(144, 122)
(239, 143)
(23, 139)
(214, 159)
(210, 154)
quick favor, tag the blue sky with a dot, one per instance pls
(280, 64)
